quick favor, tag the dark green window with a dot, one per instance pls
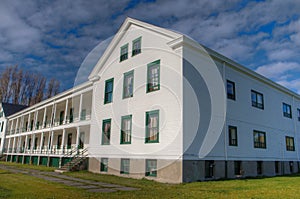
(136, 46)
(152, 127)
(257, 99)
(287, 110)
(59, 140)
(153, 76)
(108, 95)
(124, 53)
(106, 125)
(125, 166)
(128, 84)
(71, 115)
(83, 114)
(126, 125)
(230, 90)
(289, 143)
(259, 139)
(232, 131)
(151, 168)
(104, 165)
(61, 117)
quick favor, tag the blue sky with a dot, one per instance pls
(54, 37)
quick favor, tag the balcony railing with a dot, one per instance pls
(54, 150)
(85, 115)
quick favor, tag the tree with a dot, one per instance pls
(25, 88)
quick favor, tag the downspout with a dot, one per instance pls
(225, 127)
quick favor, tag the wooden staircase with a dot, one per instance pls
(78, 158)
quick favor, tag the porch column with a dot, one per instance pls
(63, 140)
(66, 112)
(8, 146)
(80, 107)
(41, 142)
(33, 143)
(44, 118)
(14, 143)
(35, 120)
(27, 129)
(51, 141)
(17, 125)
(77, 136)
(26, 143)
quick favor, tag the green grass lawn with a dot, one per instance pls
(24, 186)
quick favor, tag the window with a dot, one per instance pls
(209, 168)
(153, 76)
(125, 166)
(277, 166)
(152, 126)
(232, 130)
(289, 143)
(287, 110)
(151, 168)
(126, 129)
(69, 141)
(124, 53)
(230, 90)
(71, 115)
(237, 168)
(61, 117)
(298, 112)
(109, 86)
(259, 139)
(257, 99)
(128, 85)
(106, 125)
(259, 167)
(104, 165)
(291, 164)
(2, 126)
(136, 46)
(83, 114)
(59, 139)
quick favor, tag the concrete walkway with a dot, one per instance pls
(88, 185)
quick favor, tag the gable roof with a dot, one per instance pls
(118, 36)
(10, 109)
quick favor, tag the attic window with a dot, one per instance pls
(136, 46)
(124, 52)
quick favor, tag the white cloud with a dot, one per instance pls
(278, 70)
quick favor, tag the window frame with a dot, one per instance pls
(127, 74)
(231, 140)
(147, 137)
(122, 133)
(229, 95)
(104, 167)
(103, 132)
(106, 101)
(258, 144)
(149, 66)
(285, 108)
(123, 166)
(152, 173)
(124, 56)
(136, 51)
(255, 103)
(238, 167)
(288, 145)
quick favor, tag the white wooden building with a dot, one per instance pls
(161, 106)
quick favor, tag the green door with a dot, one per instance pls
(54, 162)
(44, 161)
